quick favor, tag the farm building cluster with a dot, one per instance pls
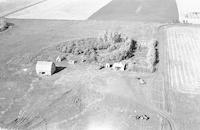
(190, 18)
(110, 50)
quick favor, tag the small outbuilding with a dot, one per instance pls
(72, 62)
(58, 59)
(108, 65)
(45, 68)
(119, 66)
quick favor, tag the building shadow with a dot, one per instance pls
(58, 69)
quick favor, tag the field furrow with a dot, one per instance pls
(183, 50)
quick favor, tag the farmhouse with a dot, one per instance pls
(45, 68)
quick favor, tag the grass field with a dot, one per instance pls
(79, 96)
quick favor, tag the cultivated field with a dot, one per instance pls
(178, 61)
(62, 9)
(182, 58)
(134, 10)
(138, 10)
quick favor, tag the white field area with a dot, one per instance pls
(61, 9)
(9, 6)
(185, 6)
(2, 1)
(182, 59)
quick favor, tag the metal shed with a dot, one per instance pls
(45, 68)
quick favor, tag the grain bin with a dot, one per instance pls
(45, 68)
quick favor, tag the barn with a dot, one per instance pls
(45, 68)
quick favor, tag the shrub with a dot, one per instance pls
(112, 47)
(117, 38)
(3, 24)
(113, 37)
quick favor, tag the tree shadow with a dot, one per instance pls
(157, 53)
(7, 26)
